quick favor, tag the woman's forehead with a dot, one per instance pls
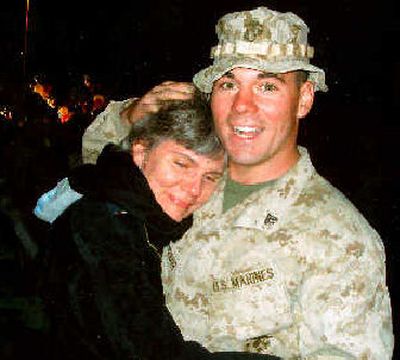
(172, 147)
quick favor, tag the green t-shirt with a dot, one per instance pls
(235, 192)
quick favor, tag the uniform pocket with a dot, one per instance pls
(248, 304)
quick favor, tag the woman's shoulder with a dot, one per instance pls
(101, 215)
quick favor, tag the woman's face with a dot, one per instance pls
(180, 179)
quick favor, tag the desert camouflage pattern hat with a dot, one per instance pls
(261, 39)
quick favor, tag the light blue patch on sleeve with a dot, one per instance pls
(54, 202)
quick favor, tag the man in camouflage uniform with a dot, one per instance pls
(279, 261)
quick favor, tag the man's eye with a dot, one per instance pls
(267, 87)
(227, 85)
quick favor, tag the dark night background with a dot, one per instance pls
(130, 46)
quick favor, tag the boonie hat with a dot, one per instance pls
(260, 39)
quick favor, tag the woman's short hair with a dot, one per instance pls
(188, 122)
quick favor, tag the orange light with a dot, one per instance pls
(63, 114)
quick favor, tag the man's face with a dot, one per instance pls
(256, 115)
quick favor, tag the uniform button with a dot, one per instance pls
(270, 220)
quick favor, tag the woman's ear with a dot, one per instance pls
(306, 99)
(139, 150)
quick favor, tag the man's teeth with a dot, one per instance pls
(245, 130)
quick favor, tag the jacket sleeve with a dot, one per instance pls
(345, 306)
(106, 128)
(127, 297)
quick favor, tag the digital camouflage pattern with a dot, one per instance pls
(260, 39)
(106, 128)
(294, 271)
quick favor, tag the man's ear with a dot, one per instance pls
(139, 150)
(306, 99)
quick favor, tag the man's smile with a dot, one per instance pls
(247, 132)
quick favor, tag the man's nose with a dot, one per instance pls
(244, 101)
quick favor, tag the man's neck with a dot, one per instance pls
(270, 169)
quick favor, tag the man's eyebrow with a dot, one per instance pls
(268, 75)
(261, 75)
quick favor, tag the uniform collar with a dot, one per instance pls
(264, 209)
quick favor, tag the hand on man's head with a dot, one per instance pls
(152, 100)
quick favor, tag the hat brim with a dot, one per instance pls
(205, 78)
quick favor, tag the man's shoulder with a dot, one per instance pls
(320, 192)
(332, 209)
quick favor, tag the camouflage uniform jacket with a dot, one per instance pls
(106, 128)
(294, 270)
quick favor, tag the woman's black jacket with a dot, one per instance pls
(104, 289)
